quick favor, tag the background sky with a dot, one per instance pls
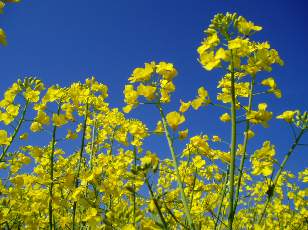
(67, 41)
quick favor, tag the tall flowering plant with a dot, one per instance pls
(90, 169)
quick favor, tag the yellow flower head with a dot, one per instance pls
(184, 106)
(183, 134)
(4, 139)
(174, 119)
(225, 117)
(166, 70)
(32, 95)
(2, 37)
(142, 74)
(287, 115)
(147, 91)
(246, 27)
(59, 120)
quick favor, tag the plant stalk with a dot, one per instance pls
(175, 165)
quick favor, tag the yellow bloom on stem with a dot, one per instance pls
(4, 139)
(166, 70)
(183, 134)
(270, 82)
(287, 115)
(201, 99)
(262, 116)
(23, 136)
(209, 61)
(198, 162)
(142, 74)
(35, 126)
(209, 42)
(150, 160)
(71, 135)
(130, 98)
(184, 106)
(147, 91)
(216, 138)
(225, 117)
(90, 213)
(246, 27)
(42, 117)
(1, 7)
(159, 128)
(174, 119)
(250, 134)
(6, 118)
(262, 160)
(59, 120)
(32, 95)
(3, 37)
(12, 110)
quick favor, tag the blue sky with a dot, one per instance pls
(67, 41)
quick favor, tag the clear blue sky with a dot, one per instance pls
(66, 41)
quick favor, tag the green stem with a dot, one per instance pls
(233, 146)
(193, 189)
(16, 130)
(223, 193)
(79, 162)
(134, 187)
(51, 160)
(93, 143)
(158, 209)
(244, 145)
(281, 168)
(175, 165)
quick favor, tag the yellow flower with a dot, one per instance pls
(209, 61)
(198, 162)
(209, 42)
(270, 82)
(303, 176)
(150, 160)
(262, 160)
(159, 128)
(216, 138)
(221, 54)
(184, 106)
(240, 46)
(174, 119)
(71, 135)
(35, 126)
(59, 120)
(23, 136)
(166, 70)
(32, 95)
(42, 117)
(287, 115)
(142, 74)
(128, 227)
(245, 27)
(12, 110)
(1, 7)
(2, 37)
(262, 116)
(183, 134)
(147, 91)
(4, 139)
(130, 97)
(201, 99)
(249, 133)
(225, 117)
(90, 213)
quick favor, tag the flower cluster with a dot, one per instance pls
(71, 161)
